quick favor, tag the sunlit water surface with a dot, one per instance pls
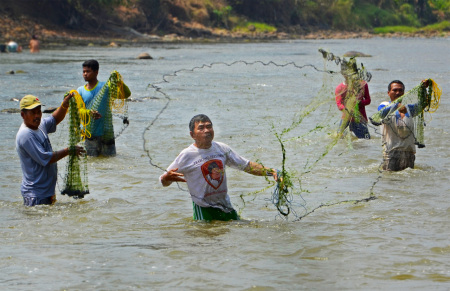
(131, 233)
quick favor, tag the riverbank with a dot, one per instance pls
(21, 29)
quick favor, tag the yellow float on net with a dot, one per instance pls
(85, 114)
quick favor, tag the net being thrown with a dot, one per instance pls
(75, 181)
(352, 95)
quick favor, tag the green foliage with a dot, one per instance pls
(256, 27)
(441, 5)
(441, 26)
(408, 15)
(304, 14)
(222, 15)
(395, 29)
(441, 8)
(342, 14)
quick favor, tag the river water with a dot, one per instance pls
(130, 233)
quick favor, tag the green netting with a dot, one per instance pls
(113, 94)
(75, 180)
(306, 133)
(355, 77)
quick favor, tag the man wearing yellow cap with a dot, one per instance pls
(37, 158)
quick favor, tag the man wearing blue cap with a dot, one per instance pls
(37, 158)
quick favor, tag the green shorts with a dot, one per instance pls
(211, 213)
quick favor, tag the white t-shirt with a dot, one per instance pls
(204, 171)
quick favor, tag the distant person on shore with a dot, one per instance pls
(34, 44)
(352, 96)
(102, 141)
(37, 158)
(202, 166)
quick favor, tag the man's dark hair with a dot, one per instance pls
(212, 166)
(198, 118)
(91, 64)
(396, 82)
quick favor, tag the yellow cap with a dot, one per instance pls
(29, 102)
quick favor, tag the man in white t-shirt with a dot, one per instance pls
(202, 166)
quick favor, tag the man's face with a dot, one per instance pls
(396, 91)
(89, 74)
(32, 117)
(203, 133)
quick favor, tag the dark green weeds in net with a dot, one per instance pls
(76, 180)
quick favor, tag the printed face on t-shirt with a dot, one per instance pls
(213, 173)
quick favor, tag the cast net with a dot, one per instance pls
(282, 115)
(348, 98)
(79, 125)
(108, 101)
(76, 178)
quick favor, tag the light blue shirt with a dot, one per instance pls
(35, 151)
(88, 98)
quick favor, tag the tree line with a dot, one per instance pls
(282, 14)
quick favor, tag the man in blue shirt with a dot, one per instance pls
(37, 158)
(100, 142)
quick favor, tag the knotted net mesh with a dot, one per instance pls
(108, 101)
(76, 178)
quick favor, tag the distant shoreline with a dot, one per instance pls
(18, 31)
(113, 41)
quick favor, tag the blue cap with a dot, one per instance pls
(383, 104)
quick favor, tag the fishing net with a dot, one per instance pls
(355, 78)
(417, 102)
(108, 101)
(282, 115)
(76, 178)
(349, 94)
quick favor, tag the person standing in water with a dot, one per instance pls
(34, 44)
(202, 166)
(98, 144)
(37, 158)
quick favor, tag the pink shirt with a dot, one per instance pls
(363, 98)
